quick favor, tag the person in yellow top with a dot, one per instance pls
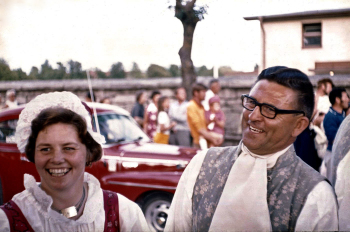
(196, 120)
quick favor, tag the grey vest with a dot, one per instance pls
(341, 147)
(289, 183)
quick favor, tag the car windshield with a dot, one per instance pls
(7, 131)
(120, 128)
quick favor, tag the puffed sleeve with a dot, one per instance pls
(131, 217)
(320, 210)
(4, 223)
(180, 212)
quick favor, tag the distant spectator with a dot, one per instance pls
(214, 89)
(324, 87)
(180, 134)
(311, 144)
(163, 121)
(138, 111)
(89, 98)
(215, 118)
(11, 101)
(335, 116)
(150, 120)
(106, 100)
(196, 119)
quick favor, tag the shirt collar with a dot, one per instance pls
(271, 159)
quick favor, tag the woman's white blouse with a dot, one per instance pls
(35, 205)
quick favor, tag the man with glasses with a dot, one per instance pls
(259, 185)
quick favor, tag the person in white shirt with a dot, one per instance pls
(214, 89)
(180, 135)
(324, 87)
(53, 132)
(164, 125)
(11, 101)
(259, 185)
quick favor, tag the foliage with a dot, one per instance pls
(117, 71)
(5, 71)
(19, 74)
(136, 71)
(157, 71)
(34, 73)
(184, 8)
(100, 74)
(225, 71)
(174, 70)
(75, 70)
(204, 72)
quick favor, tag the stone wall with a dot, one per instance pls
(122, 93)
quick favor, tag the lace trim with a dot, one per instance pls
(42, 202)
(66, 100)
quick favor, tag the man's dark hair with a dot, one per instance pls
(51, 116)
(139, 94)
(160, 103)
(88, 95)
(196, 87)
(336, 92)
(295, 80)
(154, 93)
(324, 81)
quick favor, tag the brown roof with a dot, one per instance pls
(303, 15)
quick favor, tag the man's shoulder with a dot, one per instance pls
(309, 174)
(192, 105)
(329, 116)
(221, 153)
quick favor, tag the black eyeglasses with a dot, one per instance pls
(266, 110)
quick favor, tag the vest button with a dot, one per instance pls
(269, 178)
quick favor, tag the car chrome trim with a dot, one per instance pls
(141, 185)
(144, 160)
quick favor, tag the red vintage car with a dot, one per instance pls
(132, 165)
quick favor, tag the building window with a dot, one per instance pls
(312, 35)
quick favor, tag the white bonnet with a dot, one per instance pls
(65, 100)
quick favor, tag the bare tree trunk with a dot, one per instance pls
(186, 15)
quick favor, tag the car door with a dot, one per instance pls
(13, 164)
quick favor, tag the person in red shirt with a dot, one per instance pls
(215, 118)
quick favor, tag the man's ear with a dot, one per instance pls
(301, 124)
(337, 100)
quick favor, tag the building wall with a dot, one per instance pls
(122, 93)
(284, 43)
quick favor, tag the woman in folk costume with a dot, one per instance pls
(54, 133)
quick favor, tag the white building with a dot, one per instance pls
(316, 42)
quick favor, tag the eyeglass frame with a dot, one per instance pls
(277, 111)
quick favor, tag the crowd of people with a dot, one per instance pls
(262, 184)
(199, 123)
(314, 144)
